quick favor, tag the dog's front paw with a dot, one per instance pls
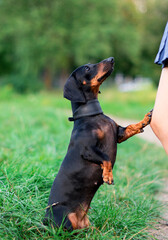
(147, 119)
(107, 172)
(108, 178)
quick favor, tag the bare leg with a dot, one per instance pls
(131, 130)
(159, 123)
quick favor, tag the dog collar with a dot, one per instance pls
(91, 108)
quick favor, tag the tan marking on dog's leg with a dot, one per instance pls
(73, 219)
(133, 129)
(107, 172)
(79, 219)
(86, 221)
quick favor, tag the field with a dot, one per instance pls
(34, 135)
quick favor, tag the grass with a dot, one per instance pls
(34, 135)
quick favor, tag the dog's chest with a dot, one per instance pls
(107, 130)
(107, 138)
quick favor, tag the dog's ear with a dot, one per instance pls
(72, 91)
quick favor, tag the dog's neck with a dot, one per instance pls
(90, 108)
(75, 106)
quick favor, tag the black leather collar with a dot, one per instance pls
(91, 108)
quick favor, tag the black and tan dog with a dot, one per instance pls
(92, 149)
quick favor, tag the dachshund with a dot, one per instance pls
(92, 149)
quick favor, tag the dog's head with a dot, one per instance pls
(83, 83)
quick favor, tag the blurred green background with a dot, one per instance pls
(41, 42)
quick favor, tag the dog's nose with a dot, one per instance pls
(110, 59)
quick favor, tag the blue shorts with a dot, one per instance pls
(162, 55)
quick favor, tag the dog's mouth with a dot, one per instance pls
(105, 68)
(108, 69)
(106, 75)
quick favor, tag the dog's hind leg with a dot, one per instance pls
(126, 132)
(56, 216)
(95, 155)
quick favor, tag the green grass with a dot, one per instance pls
(34, 135)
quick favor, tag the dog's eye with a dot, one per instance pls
(87, 68)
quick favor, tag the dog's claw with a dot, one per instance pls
(150, 114)
(109, 182)
(147, 119)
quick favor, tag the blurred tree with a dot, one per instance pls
(49, 38)
(153, 23)
(127, 37)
